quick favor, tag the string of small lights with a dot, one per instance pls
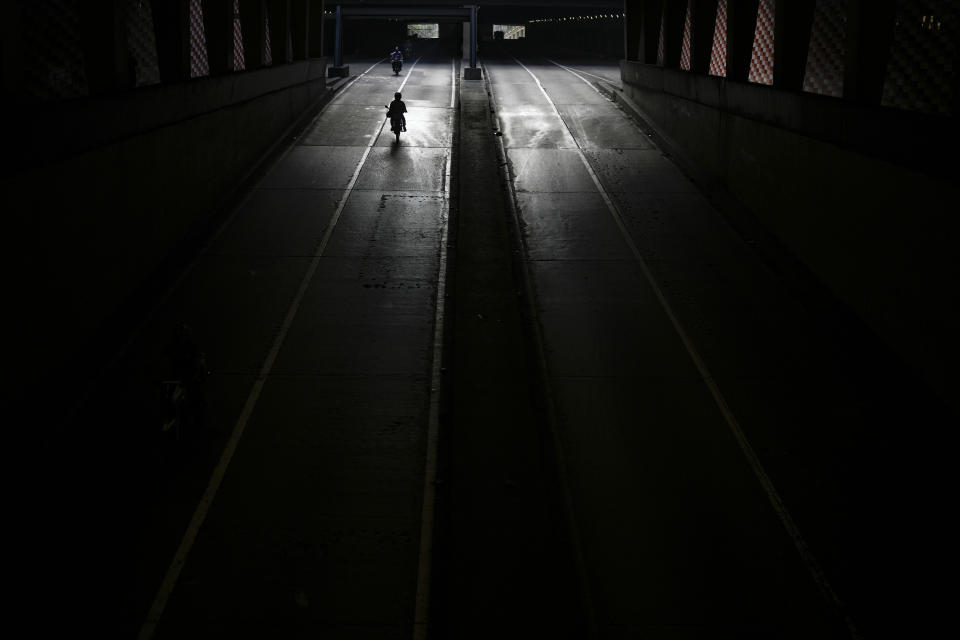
(602, 16)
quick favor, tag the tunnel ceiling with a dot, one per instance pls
(498, 10)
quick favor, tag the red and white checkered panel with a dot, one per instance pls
(685, 46)
(239, 60)
(761, 60)
(661, 47)
(267, 52)
(920, 69)
(199, 62)
(53, 58)
(824, 72)
(142, 43)
(718, 57)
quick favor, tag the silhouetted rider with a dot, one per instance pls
(396, 110)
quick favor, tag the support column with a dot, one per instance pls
(703, 18)
(632, 29)
(673, 34)
(473, 72)
(171, 26)
(253, 17)
(279, 30)
(870, 25)
(300, 28)
(218, 27)
(651, 12)
(315, 36)
(103, 38)
(793, 20)
(741, 25)
(338, 70)
(11, 51)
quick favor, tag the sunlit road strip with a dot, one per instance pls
(806, 555)
(409, 73)
(200, 513)
(453, 83)
(577, 73)
(586, 597)
(138, 330)
(427, 515)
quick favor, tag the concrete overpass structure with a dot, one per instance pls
(647, 330)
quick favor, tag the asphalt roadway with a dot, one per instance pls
(516, 376)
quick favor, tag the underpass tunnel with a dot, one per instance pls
(372, 36)
(644, 326)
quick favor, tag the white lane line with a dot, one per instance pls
(216, 478)
(369, 69)
(576, 72)
(453, 83)
(579, 77)
(421, 616)
(806, 555)
(586, 596)
(138, 330)
(404, 83)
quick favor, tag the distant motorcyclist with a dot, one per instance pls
(396, 59)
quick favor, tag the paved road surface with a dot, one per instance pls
(642, 431)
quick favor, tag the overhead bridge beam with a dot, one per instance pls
(405, 12)
(468, 12)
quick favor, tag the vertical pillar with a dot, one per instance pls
(253, 16)
(741, 25)
(299, 28)
(703, 18)
(338, 69)
(338, 40)
(11, 50)
(171, 25)
(279, 30)
(793, 20)
(870, 26)
(218, 26)
(675, 13)
(103, 38)
(651, 12)
(315, 36)
(472, 72)
(473, 37)
(955, 84)
(632, 29)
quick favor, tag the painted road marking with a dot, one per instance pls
(421, 616)
(216, 478)
(806, 555)
(577, 73)
(166, 295)
(453, 83)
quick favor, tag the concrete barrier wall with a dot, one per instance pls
(110, 191)
(865, 198)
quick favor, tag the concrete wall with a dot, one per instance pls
(105, 192)
(865, 198)
(598, 37)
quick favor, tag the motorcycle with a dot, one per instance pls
(397, 65)
(396, 122)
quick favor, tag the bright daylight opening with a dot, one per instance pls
(510, 31)
(424, 30)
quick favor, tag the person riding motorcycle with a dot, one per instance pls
(396, 57)
(395, 112)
